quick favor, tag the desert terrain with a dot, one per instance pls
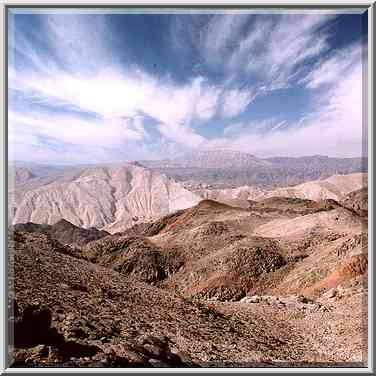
(124, 265)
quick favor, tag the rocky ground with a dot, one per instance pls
(282, 283)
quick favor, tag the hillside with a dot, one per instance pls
(246, 283)
(357, 201)
(335, 187)
(19, 175)
(87, 315)
(111, 197)
(115, 197)
(63, 231)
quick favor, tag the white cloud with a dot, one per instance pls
(254, 127)
(279, 125)
(234, 128)
(335, 67)
(85, 77)
(107, 132)
(236, 101)
(81, 73)
(272, 48)
(222, 34)
(80, 42)
(181, 134)
(334, 129)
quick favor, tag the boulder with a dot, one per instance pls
(251, 299)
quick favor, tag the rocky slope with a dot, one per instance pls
(69, 312)
(280, 283)
(335, 187)
(357, 201)
(63, 231)
(115, 197)
(106, 197)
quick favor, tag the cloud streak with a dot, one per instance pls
(272, 48)
(334, 128)
(70, 66)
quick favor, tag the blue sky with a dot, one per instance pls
(97, 87)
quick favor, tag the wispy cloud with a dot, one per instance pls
(83, 76)
(69, 66)
(335, 128)
(260, 127)
(334, 67)
(181, 134)
(270, 48)
(71, 129)
(222, 36)
(236, 101)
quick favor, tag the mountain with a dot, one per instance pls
(210, 159)
(37, 169)
(335, 187)
(109, 197)
(20, 175)
(231, 169)
(91, 316)
(63, 231)
(115, 197)
(357, 201)
(282, 282)
(240, 196)
(318, 162)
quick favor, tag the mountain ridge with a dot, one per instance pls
(229, 169)
(105, 197)
(114, 197)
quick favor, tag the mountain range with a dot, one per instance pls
(114, 197)
(119, 265)
(280, 284)
(230, 169)
(335, 187)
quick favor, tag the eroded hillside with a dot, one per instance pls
(109, 198)
(282, 282)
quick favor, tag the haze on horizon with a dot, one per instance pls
(95, 88)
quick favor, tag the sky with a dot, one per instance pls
(88, 87)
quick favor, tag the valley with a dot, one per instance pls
(241, 277)
(187, 188)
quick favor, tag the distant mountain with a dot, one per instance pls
(230, 169)
(212, 159)
(335, 187)
(116, 196)
(319, 164)
(37, 169)
(20, 175)
(111, 197)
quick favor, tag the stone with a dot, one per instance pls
(251, 299)
(330, 294)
